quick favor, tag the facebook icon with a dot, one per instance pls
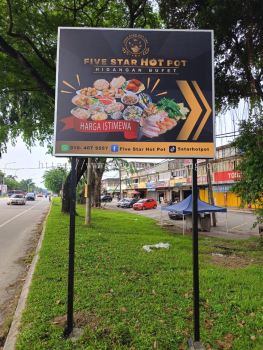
(114, 148)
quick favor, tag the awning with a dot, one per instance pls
(185, 207)
(134, 192)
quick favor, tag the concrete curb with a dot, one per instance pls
(10, 343)
(243, 211)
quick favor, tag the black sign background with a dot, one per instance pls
(75, 44)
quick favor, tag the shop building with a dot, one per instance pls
(110, 185)
(171, 180)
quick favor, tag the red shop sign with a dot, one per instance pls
(226, 176)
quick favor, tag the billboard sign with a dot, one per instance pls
(3, 189)
(134, 93)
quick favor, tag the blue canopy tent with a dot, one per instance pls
(185, 207)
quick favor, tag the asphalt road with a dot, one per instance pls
(239, 223)
(17, 231)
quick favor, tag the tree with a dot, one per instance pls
(238, 30)
(97, 170)
(250, 144)
(26, 185)
(28, 35)
(238, 43)
(1, 176)
(120, 165)
(11, 182)
(54, 179)
(28, 38)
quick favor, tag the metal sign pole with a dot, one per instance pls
(196, 343)
(73, 183)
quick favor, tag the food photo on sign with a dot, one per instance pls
(133, 102)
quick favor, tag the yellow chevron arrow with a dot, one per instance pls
(208, 110)
(195, 110)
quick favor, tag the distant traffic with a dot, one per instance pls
(18, 197)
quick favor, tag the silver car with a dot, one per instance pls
(17, 199)
(122, 201)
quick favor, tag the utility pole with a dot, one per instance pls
(120, 165)
(210, 190)
(88, 198)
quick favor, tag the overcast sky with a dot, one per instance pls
(28, 163)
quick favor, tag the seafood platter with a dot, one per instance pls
(126, 99)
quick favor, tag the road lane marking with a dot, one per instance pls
(16, 216)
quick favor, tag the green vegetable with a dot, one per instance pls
(170, 106)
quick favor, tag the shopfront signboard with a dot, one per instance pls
(231, 176)
(134, 93)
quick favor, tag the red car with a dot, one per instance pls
(143, 204)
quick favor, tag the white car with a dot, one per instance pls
(119, 203)
(17, 199)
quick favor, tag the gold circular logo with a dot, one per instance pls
(135, 45)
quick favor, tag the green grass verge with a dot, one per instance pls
(126, 298)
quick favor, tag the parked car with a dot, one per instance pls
(175, 216)
(17, 199)
(143, 204)
(129, 202)
(30, 196)
(121, 201)
(106, 198)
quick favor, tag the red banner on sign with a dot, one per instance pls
(128, 128)
(226, 176)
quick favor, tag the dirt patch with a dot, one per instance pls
(81, 319)
(7, 310)
(230, 261)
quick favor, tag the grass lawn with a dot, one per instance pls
(126, 298)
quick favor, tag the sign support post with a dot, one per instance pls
(88, 197)
(195, 345)
(73, 183)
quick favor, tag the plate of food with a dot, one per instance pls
(101, 84)
(133, 85)
(129, 99)
(117, 83)
(132, 113)
(116, 115)
(114, 107)
(105, 100)
(99, 116)
(80, 113)
(96, 109)
(84, 101)
(88, 91)
(119, 93)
